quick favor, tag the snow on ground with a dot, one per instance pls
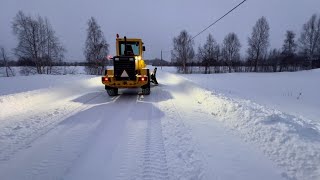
(71, 129)
(56, 70)
(295, 93)
(18, 84)
(289, 134)
(25, 116)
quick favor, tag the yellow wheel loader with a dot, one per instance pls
(129, 69)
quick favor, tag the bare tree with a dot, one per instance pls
(309, 41)
(289, 45)
(231, 49)
(208, 53)
(96, 48)
(37, 42)
(183, 52)
(275, 59)
(52, 47)
(5, 62)
(258, 42)
(288, 50)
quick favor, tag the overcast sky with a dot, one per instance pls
(157, 21)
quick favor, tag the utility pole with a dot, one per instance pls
(161, 59)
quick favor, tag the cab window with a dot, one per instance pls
(132, 48)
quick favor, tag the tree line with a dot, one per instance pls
(296, 54)
(39, 49)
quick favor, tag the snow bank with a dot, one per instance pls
(17, 84)
(48, 101)
(56, 70)
(295, 93)
(290, 141)
(25, 93)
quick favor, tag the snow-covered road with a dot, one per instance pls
(74, 130)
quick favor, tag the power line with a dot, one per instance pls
(219, 19)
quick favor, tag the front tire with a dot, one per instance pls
(146, 91)
(146, 88)
(112, 91)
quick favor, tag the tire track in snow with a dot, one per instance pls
(155, 162)
(23, 142)
(131, 165)
(145, 157)
(105, 152)
(184, 160)
(52, 155)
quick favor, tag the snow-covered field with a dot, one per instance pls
(226, 126)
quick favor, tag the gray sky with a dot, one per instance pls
(157, 22)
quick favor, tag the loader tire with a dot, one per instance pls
(112, 91)
(146, 88)
(146, 91)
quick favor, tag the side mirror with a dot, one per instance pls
(143, 48)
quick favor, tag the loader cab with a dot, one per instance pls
(130, 47)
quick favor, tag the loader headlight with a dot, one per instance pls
(138, 57)
(117, 59)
